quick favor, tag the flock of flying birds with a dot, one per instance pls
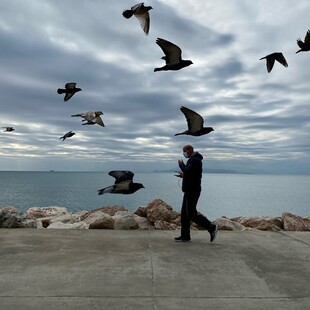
(173, 57)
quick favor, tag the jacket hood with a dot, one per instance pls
(197, 155)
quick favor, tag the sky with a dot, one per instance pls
(261, 120)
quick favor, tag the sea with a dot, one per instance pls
(229, 195)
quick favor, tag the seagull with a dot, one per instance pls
(142, 13)
(194, 123)
(67, 135)
(91, 118)
(123, 183)
(304, 46)
(8, 129)
(270, 59)
(172, 56)
(69, 90)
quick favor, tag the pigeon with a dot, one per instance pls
(172, 56)
(8, 129)
(194, 123)
(270, 59)
(69, 90)
(142, 13)
(304, 46)
(91, 118)
(123, 183)
(67, 135)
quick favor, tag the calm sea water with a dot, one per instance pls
(222, 194)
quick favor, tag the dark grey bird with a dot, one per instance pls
(141, 12)
(194, 123)
(304, 46)
(69, 90)
(271, 58)
(8, 129)
(123, 183)
(91, 118)
(67, 135)
(173, 56)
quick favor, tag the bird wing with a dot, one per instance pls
(89, 116)
(144, 20)
(99, 121)
(70, 85)
(194, 120)
(123, 185)
(270, 63)
(121, 175)
(136, 7)
(281, 59)
(68, 96)
(172, 51)
(307, 37)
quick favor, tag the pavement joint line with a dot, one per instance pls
(295, 238)
(152, 274)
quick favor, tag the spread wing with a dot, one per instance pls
(144, 20)
(270, 63)
(136, 7)
(68, 96)
(194, 120)
(70, 85)
(99, 121)
(172, 52)
(281, 59)
(121, 175)
(307, 37)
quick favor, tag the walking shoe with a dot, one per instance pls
(181, 239)
(213, 232)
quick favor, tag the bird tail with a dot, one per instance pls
(61, 91)
(76, 115)
(127, 13)
(158, 69)
(105, 190)
(180, 133)
(88, 122)
(298, 52)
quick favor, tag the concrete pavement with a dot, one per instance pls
(107, 269)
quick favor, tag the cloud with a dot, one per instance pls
(259, 118)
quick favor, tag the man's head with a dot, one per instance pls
(188, 150)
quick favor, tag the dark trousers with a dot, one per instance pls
(189, 213)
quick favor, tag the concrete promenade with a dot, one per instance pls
(107, 269)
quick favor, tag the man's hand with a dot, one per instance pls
(180, 162)
(179, 175)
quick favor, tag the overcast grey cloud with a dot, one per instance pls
(261, 120)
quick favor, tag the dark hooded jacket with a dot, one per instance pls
(192, 173)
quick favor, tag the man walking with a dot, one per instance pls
(191, 187)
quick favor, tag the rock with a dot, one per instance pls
(163, 225)
(10, 219)
(158, 210)
(293, 222)
(124, 220)
(61, 225)
(9, 209)
(110, 210)
(141, 211)
(37, 212)
(29, 223)
(262, 223)
(78, 216)
(66, 218)
(143, 223)
(227, 224)
(99, 220)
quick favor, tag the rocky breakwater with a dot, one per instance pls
(157, 215)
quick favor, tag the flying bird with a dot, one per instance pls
(304, 46)
(173, 56)
(91, 118)
(69, 90)
(270, 59)
(123, 183)
(8, 129)
(67, 135)
(142, 13)
(194, 123)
